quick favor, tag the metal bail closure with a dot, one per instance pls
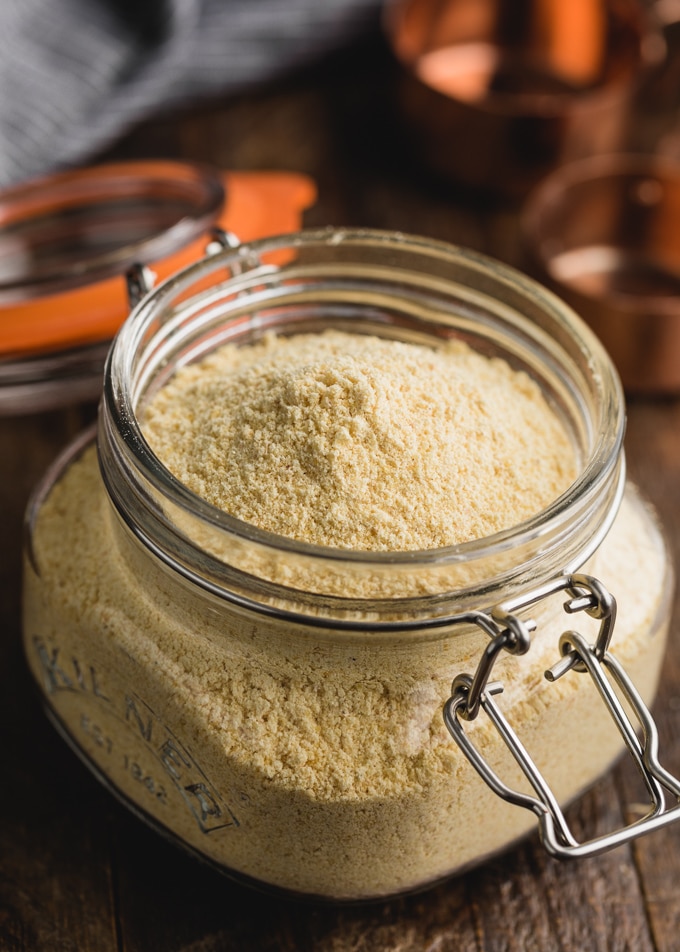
(470, 694)
(221, 240)
(139, 279)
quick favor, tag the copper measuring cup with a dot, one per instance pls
(497, 93)
(604, 233)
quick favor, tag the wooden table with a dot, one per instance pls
(77, 871)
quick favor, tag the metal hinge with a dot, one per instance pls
(470, 694)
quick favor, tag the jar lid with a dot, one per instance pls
(67, 241)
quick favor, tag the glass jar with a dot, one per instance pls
(276, 707)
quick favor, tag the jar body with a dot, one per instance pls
(312, 763)
(276, 707)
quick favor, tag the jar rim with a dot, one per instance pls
(603, 467)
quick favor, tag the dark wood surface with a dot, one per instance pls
(77, 872)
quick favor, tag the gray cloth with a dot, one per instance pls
(75, 74)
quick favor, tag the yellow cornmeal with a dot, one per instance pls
(362, 443)
(311, 760)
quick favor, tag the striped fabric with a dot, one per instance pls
(74, 74)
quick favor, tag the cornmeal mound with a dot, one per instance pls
(358, 442)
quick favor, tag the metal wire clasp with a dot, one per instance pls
(140, 279)
(470, 694)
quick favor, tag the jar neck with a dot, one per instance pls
(397, 287)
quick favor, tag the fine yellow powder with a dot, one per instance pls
(318, 766)
(362, 443)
